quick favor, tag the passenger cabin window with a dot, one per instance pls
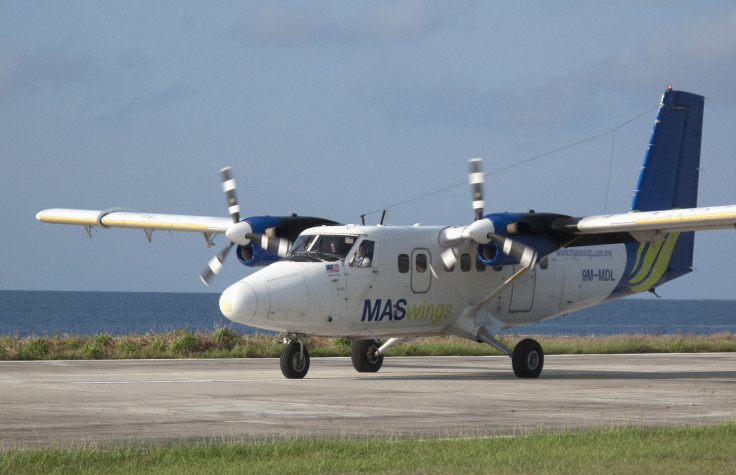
(465, 262)
(421, 263)
(403, 263)
(479, 265)
(448, 267)
(363, 256)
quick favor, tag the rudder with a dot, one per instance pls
(669, 180)
(669, 175)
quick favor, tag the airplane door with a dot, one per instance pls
(360, 276)
(522, 291)
(339, 292)
(421, 272)
(572, 281)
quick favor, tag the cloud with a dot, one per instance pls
(285, 24)
(276, 23)
(399, 20)
(697, 55)
(30, 72)
(465, 102)
(128, 106)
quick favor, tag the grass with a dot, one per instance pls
(224, 342)
(702, 450)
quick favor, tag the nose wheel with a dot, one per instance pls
(295, 360)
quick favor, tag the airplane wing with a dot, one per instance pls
(512, 238)
(261, 240)
(114, 218)
(644, 226)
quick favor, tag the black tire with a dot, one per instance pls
(364, 358)
(294, 361)
(527, 359)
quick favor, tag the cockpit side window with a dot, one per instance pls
(363, 256)
(301, 244)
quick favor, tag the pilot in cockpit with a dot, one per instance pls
(364, 255)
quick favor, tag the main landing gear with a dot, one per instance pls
(527, 358)
(365, 356)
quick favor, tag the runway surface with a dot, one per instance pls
(120, 401)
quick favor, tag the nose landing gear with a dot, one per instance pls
(295, 359)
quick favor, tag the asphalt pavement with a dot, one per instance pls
(124, 401)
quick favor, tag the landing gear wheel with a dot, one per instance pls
(294, 360)
(365, 359)
(527, 359)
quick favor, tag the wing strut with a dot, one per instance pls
(530, 264)
(208, 239)
(486, 337)
(484, 333)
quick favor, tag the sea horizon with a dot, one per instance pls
(86, 312)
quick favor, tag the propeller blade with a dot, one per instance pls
(448, 258)
(228, 186)
(476, 185)
(273, 244)
(526, 255)
(480, 230)
(215, 265)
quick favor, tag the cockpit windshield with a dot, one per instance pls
(320, 247)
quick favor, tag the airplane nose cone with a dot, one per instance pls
(241, 304)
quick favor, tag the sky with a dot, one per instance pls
(337, 109)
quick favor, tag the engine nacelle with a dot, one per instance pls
(490, 254)
(277, 227)
(530, 229)
(253, 255)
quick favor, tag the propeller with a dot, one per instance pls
(482, 230)
(476, 180)
(239, 232)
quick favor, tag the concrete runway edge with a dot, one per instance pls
(124, 401)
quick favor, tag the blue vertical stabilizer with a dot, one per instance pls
(669, 176)
(668, 180)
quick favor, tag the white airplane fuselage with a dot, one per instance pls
(399, 296)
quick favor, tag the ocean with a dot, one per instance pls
(27, 313)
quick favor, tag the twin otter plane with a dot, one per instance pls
(379, 285)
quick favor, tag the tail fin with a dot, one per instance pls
(669, 176)
(669, 179)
